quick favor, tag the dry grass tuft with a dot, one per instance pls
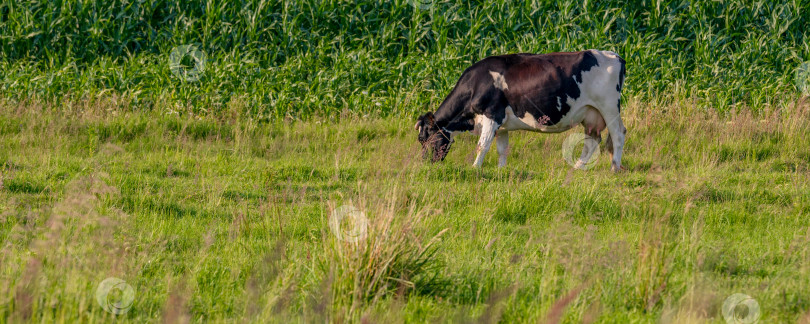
(391, 256)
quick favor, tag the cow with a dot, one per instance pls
(548, 93)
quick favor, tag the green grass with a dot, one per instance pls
(227, 220)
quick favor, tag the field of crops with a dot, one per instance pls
(255, 161)
(319, 58)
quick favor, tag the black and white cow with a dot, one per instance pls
(548, 93)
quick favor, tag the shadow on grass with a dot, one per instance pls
(21, 186)
(309, 173)
(447, 172)
(137, 205)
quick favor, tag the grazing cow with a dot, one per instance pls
(547, 93)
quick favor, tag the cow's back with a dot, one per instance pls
(547, 87)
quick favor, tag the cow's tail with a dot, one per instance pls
(620, 85)
(621, 73)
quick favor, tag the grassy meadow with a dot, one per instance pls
(283, 182)
(228, 220)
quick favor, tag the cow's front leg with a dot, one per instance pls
(502, 140)
(488, 129)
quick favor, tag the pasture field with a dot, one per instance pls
(255, 161)
(228, 220)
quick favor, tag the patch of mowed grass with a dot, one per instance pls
(320, 58)
(234, 225)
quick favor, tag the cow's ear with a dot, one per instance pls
(426, 118)
(430, 118)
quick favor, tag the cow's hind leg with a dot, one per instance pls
(593, 124)
(488, 129)
(615, 141)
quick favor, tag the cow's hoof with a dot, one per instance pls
(621, 168)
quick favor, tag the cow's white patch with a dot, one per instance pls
(499, 80)
(512, 122)
(559, 104)
(487, 128)
(536, 124)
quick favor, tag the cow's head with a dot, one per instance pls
(432, 137)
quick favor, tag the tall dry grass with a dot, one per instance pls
(393, 255)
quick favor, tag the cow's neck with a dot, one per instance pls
(451, 111)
